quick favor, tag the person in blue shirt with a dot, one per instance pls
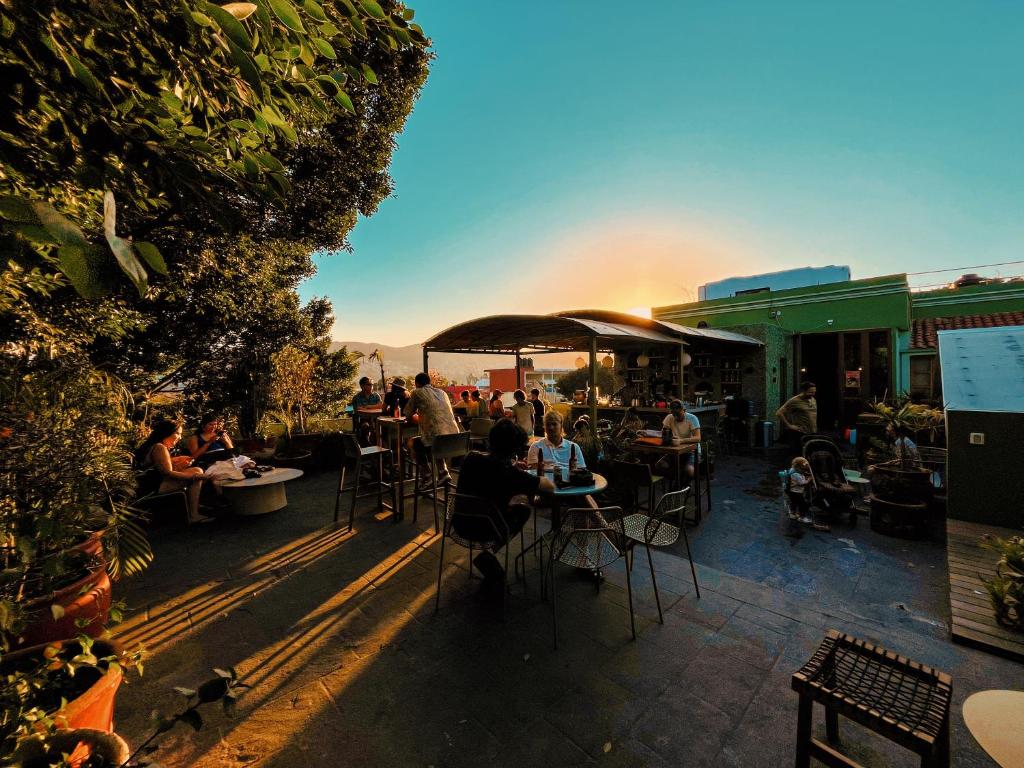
(556, 449)
(365, 397)
(685, 431)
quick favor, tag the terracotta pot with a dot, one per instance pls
(92, 709)
(88, 598)
(80, 744)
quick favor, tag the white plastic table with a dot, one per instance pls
(260, 495)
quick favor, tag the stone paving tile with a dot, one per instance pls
(353, 667)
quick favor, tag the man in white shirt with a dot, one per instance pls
(555, 448)
(435, 415)
(685, 431)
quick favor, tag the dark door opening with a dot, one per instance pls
(819, 359)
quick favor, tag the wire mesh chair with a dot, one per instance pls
(444, 448)
(660, 528)
(591, 539)
(480, 430)
(467, 512)
(357, 457)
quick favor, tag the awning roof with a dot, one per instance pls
(512, 333)
(571, 331)
(663, 326)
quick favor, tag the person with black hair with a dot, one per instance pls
(165, 473)
(538, 413)
(499, 476)
(211, 441)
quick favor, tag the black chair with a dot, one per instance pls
(446, 448)
(466, 511)
(632, 477)
(661, 528)
(358, 458)
(480, 430)
(151, 499)
(591, 539)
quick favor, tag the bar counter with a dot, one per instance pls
(707, 415)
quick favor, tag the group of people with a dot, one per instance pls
(167, 467)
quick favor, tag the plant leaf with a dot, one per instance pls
(369, 74)
(57, 611)
(343, 98)
(232, 27)
(82, 265)
(188, 693)
(373, 8)
(314, 10)
(60, 227)
(151, 256)
(240, 11)
(193, 718)
(325, 48)
(212, 690)
(18, 210)
(286, 12)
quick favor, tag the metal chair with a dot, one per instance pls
(661, 528)
(148, 483)
(480, 430)
(445, 447)
(359, 457)
(631, 477)
(474, 510)
(591, 539)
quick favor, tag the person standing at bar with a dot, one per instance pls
(798, 416)
(538, 413)
(523, 412)
(435, 416)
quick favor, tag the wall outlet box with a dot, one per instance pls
(977, 438)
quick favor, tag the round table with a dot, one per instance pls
(260, 495)
(995, 720)
(564, 496)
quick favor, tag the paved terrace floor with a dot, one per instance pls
(351, 667)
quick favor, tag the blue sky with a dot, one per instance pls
(617, 155)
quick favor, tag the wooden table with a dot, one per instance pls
(260, 495)
(398, 430)
(677, 452)
(996, 721)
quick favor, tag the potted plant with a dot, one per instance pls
(900, 486)
(291, 387)
(1006, 590)
(65, 480)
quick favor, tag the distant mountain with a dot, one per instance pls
(408, 360)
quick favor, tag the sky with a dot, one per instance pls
(616, 155)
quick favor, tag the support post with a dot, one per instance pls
(519, 374)
(681, 387)
(426, 356)
(592, 398)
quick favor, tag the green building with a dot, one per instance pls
(858, 340)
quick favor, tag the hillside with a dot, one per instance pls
(457, 368)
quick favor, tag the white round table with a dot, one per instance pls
(260, 495)
(996, 720)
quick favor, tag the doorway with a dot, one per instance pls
(819, 361)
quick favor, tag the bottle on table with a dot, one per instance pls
(540, 462)
(572, 457)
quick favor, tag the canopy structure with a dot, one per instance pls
(593, 331)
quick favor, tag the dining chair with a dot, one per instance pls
(480, 430)
(631, 478)
(358, 458)
(591, 539)
(660, 528)
(150, 499)
(446, 448)
(464, 512)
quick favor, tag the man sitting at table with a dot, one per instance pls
(685, 431)
(554, 447)
(501, 478)
(366, 398)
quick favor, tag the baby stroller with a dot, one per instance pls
(832, 493)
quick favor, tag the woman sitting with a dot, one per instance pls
(174, 473)
(211, 442)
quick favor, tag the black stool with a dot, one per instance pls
(900, 699)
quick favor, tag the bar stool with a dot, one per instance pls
(902, 700)
(359, 457)
(445, 448)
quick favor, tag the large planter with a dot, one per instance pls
(83, 746)
(301, 460)
(893, 518)
(903, 484)
(93, 708)
(87, 599)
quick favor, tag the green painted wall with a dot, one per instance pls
(969, 300)
(880, 302)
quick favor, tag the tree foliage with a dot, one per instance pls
(568, 383)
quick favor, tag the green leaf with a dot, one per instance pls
(202, 19)
(212, 690)
(314, 10)
(329, 30)
(324, 47)
(270, 162)
(286, 12)
(373, 8)
(129, 262)
(151, 256)
(342, 98)
(329, 85)
(246, 65)
(240, 11)
(18, 210)
(369, 74)
(81, 270)
(80, 71)
(60, 227)
(232, 27)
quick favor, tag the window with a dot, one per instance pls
(921, 382)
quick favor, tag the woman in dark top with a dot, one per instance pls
(397, 397)
(501, 478)
(211, 438)
(166, 473)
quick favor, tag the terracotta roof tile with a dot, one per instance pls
(923, 333)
